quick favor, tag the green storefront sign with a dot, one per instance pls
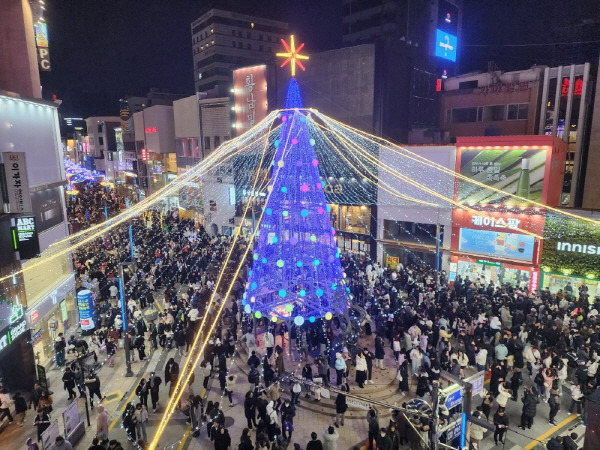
(485, 262)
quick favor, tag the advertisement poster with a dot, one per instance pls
(250, 96)
(49, 436)
(71, 417)
(85, 305)
(518, 172)
(392, 261)
(47, 207)
(497, 244)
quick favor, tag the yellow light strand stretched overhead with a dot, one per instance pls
(415, 156)
(181, 382)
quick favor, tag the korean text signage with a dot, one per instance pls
(25, 237)
(85, 305)
(250, 96)
(17, 182)
(519, 172)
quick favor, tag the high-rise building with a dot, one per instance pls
(224, 40)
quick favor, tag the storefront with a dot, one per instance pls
(499, 245)
(353, 227)
(17, 364)
(571, 254)
(55, 313)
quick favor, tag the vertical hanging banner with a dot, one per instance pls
(85, 305)
(250, 97)
(17, 182)
(41, 42)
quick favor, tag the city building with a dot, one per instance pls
(43, 302)
(224, 40)
(101, 139)
(155, 146)
(591, 192)
(492, 103)
(540, 100)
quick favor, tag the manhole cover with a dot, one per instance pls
(229, 421)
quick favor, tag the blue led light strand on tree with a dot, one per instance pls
(296, 271)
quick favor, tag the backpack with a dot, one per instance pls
(539, 379)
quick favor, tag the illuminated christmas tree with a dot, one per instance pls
(296, 271)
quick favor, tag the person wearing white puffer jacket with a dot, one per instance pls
(361, 370)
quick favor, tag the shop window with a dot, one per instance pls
(355, 219)
(403, 231)
(464, 115)
(518, 111)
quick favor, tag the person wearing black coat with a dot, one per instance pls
(154, 387)
(245, 441)
(530, 402)
(383, 440)
(340, 407)
(69, 383)
(250, 409)
(501, 423)
(222, 439)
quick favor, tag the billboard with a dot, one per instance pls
(47, 207)
(250, 97)
(515, 171)
(498, 244)
(445, 45)
(17, 182)
(41, 42)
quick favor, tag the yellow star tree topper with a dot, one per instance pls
(292, 55)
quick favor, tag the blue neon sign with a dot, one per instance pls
(445, 45)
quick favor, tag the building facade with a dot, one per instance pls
(101, 139)
(224, 40)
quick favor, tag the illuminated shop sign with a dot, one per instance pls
(445, 45)
(25, 237)
(150, 130)
(250, 96)
(588, 249)
(12, 333)
(495, 222)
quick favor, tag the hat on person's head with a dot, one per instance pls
(338, 355)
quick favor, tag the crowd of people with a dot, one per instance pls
(410, 321)
(87, 206)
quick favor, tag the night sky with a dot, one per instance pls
(102, 51)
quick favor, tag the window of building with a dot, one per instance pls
(233, 43)
(518, 111)
(269, 38)
(217, 141)
(464, 115)
(99, 128)
(207, 143)
(494, 113)
(260, 47)
(100, 140)
(468, 84)
(239, 34)
(249, 47)
(260, 36)
(269, 50)
(249, 35)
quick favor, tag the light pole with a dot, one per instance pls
(128, 373)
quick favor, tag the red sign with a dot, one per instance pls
(35, 315)
(85, 322)
(145, 155)
(250, 96)
(151, 130)
(534, 282)
(438, 85)
(519, 221)
(564, 90)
